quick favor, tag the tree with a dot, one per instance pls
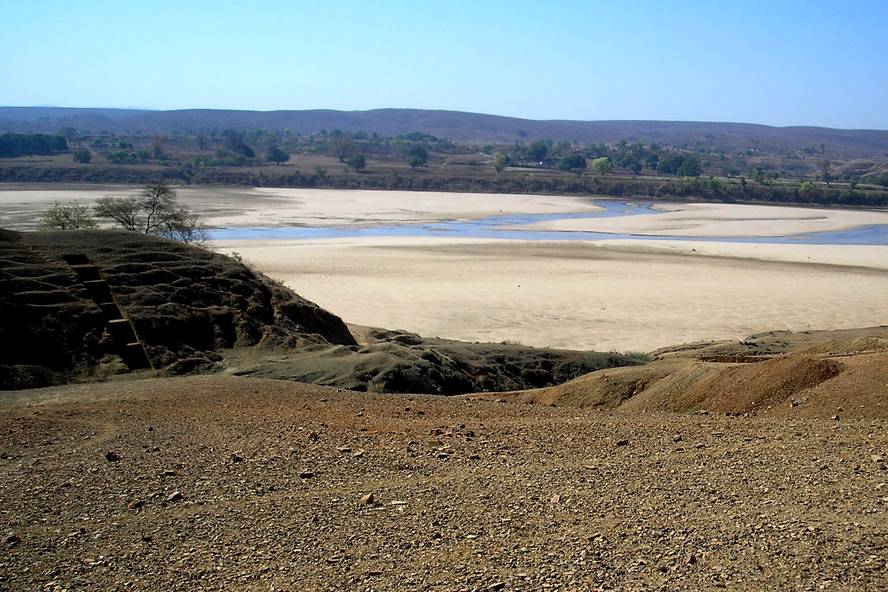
(826, 172)
(158, 143)
(70, 215)
(341, 146)
(276, 155)
(500, 161)
(154, 211)
(233, 141)
(690, 167)
(417, 156)
(758, 174)
(83, 156)
(807, 188)
(537, 151)
(574, 162)
(357, 162)
(602, 165)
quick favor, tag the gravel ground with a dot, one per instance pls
(223, 483)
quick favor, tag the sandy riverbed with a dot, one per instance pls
(720, 220)
(577, 295)
(605, 295)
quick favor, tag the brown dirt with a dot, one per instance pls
(814, 373)
(467, 494)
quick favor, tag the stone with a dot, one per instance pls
(306, 475)
(176, 496)
(112, 456)
(622, 442)
(368, 500)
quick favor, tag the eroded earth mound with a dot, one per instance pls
(779, 373)
(195, 311)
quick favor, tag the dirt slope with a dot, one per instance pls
(824, 374)
(197, 311)
(232, 483)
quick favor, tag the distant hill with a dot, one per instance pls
(458, 126)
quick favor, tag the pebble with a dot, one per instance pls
(112, 456)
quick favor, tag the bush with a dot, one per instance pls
(70, 215)
(83, 156)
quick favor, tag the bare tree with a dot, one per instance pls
(154, 211)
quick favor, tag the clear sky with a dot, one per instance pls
(780, 62)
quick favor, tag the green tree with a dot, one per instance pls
(807, 188)
(417, 156)
(83, 156)
(690, 167)
(500, 161)
(70, 215)
(276, 155)
(574, 162)
(601, 165)
(357, 162)
(537, 151)
(713, 185)
(758, 174)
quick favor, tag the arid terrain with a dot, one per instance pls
(225, 483)
(731, 457)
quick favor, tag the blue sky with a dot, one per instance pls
(817, 62)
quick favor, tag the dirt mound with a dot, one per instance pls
(402, 362)
(825, 376)
(196, 311)
(738, 389)
(185, 303)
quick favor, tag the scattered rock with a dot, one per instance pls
(176, 496)
(236, 458)
(622, 442)
(112, 456)
(306, 475)
(11, 539)
(368, 500)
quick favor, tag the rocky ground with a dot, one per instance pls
(235, 483)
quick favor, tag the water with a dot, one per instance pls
(498, 227)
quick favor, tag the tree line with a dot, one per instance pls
(12, 145)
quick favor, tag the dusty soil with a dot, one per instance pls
(226, 483)
(779, 373)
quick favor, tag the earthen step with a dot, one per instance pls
(99, 291)
(134, 356)
(122, 331)
(111, 311)
(76, 259)
(87, 272)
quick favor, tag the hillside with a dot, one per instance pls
(808, 374)
(195, 311)
(458, 126)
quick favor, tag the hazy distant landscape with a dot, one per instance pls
(446, 151)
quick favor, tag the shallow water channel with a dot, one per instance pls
(498, 227)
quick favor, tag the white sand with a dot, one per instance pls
(249, 207)
(574, 295)
(720, 220)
